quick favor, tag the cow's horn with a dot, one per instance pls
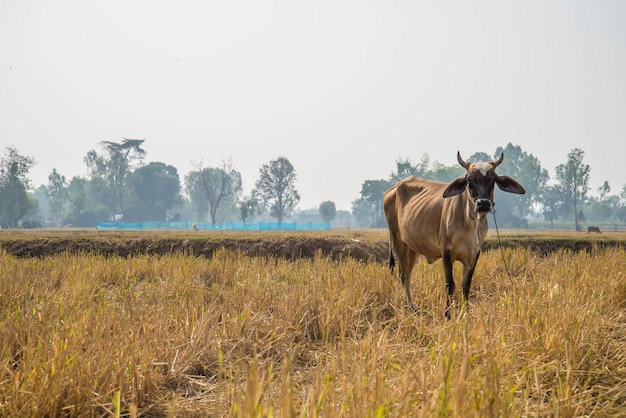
(461, 161)
(499, 160)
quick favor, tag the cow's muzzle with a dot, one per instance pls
(483, 205)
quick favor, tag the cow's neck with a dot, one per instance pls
(475, 220)
(479, 220)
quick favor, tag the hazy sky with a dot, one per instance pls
(340, 88)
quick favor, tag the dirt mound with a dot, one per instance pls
(364, 246)
(292, 247)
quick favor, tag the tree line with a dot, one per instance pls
(120, 186)
(564, 199)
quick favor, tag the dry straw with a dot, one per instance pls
(84, 335)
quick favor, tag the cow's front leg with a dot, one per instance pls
(447, 269)
(468, 273)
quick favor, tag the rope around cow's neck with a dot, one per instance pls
(506, 267)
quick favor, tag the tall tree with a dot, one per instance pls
(196, 195)
(435, 171)
(14, 185)
(573, 176)
(480, 156)
(552, 204)
(155, 190)
(84, 210)
(404, 168)
(372, 191)
(250, 206)
(276, 186)
(58, 197)
(604, 190)
(113, 167)
(604, 205)
(363, 213)
(215, 185)
(620, 210)
(445, 173)
(527, 170)
(328, 210)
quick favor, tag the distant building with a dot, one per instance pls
(309, 215)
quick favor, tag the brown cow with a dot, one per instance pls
(439, 220)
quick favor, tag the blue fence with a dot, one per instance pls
(230, 226)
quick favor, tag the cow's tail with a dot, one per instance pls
(392, 260)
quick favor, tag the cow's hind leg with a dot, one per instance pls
(406, 260)
(405, 276)
(392, 261)
(447, 269)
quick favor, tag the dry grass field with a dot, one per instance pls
(233, 334)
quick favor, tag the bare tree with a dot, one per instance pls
(214, 184)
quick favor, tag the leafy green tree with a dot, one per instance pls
(518, 164)
(84, 210)
(197, 199)
(363, 212)
(43, 215)
(527, 170)
(58, 197)
(328, 211)
(250, 206)
(573, 176)
(112, 168)
(406, 168)
(444, 173)
(604, 190)
(215, 185)
(611, 201)
(553, 204)
(480, 156)
(14, 184)
(620, 210)
(155, 190)
(424, 169)
(276, 186)
(604, 207)
(372, 191)
(597, 210)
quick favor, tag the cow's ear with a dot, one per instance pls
(507, 184)
(456, 187)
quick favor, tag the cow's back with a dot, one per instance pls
(413, 208)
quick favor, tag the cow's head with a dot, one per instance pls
(479, 182)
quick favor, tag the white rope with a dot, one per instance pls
(506, 267)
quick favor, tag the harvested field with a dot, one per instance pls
(155, 324)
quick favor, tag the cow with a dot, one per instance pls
(440, 220)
